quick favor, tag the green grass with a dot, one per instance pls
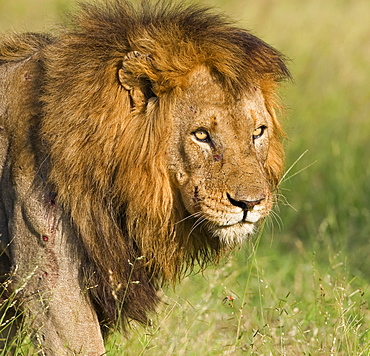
(283, 304)
(302, 287)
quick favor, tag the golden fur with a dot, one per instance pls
(106, 159)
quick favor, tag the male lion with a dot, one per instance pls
(134, 143)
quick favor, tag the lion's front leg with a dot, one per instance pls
(63, 320)
(46, 270)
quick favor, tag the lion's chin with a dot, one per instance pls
(233, 234)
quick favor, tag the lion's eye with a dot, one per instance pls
(201, 135)
(258, 132)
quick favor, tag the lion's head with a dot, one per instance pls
(220, 157)
(163, 140)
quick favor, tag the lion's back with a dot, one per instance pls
(21, 71)
(17, 47)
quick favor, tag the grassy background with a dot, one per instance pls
(302, 286)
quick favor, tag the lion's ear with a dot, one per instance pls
(133, 77)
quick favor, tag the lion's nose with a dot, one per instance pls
(246, 205)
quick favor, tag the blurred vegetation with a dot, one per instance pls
(303, 287)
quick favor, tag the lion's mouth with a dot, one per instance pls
(229, 223)
(236, 218)
(233, 234)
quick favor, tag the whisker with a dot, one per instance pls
(284, 201)
(194, 215)
(274, 216)
(280, 198)
(197, 223)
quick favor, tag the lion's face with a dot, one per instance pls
(217, 157)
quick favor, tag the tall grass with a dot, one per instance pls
(302, 286)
